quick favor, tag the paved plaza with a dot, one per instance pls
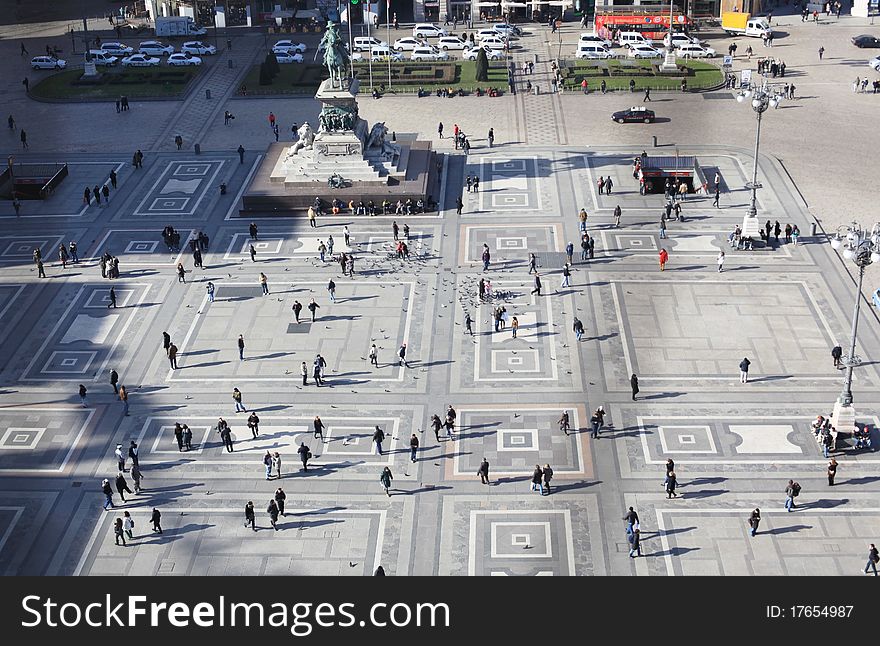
(683, 331)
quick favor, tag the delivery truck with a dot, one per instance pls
(737, 23)
(178, 26)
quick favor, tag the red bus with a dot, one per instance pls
(653, 25)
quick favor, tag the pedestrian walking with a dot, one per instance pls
(114, 380)
(280, 497)
(547, 474)
(133, 453)
(123, 397)
(413, 447)
(172, 356)
(156, 519)
(118, 531)
(836, 354)
(634, 383)
(491, 137)
(236, 397)
(483, 471)
(210, 288)
(264, 283)
(873, 559)
(832, 470)
(225, 434)
(136, 477)
(304, 455)
(23, 137)
(716, 201)
(276, 464)
(122, 486)
(792, 491)
(249, 516)
(596, 421)
(378, 438)
(181, 273)
(664, 258)
(385, 479)
(436, 424)
(401, 355)
(331, 289)
(636, 545)
(272, 510)
(253, 423)
(318, 429)
(538, 479)
(313, 307)
(240, 154)
(671, 482)
(440, 130)
(744, 370)
(267, 463)
(187, 437)
(107, 490)
(821, 52)
(647, 94)
(537, 289)
(178, 435)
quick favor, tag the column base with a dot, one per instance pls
(844, 417)
(751, 228)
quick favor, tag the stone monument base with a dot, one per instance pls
(275, 190)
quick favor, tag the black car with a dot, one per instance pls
(866, 41)
(635, 114)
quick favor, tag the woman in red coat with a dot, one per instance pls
(664, 258)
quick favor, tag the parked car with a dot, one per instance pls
(103, 58)
(470, 53)
(451, 42)
(428, 30)
(489, 33)
(288, 57)
(366, 43)
(381, 53)
(117, 49)
(629, 38)
(506, 29)
(592, 51)
(428, 53)
(198, 47)
(185, 59)
(644, 51)
(690, 50)
(407, 44)
(635, 114)
(875, 63)
(48, 63)
(494, 42)
(140, 60)
(588, 38)
(288, 46)
(155, 48)
(866, 41)
(680, 38)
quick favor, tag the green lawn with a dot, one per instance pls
(161, 82)
(617, 74)
(406, 77)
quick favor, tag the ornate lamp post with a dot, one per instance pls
(861, 247)
(762, 97)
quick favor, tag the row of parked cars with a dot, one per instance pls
(591, 46)
(148, 54)
(493, 40)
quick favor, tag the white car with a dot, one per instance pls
(875, 63)
(155, 48)
(490, 33)
(451, 42)
(118, 49)
(691, 50)
(428, 54)
(288, 57)
(493, 42)
(506, 29)
(47, 63)
(593, 38)
(679, 38)
(428, 30)
(470, 53)
(289, 46)
(184, 59)
(407, 44)
(644, 51)
(198, 47)
(140, 60)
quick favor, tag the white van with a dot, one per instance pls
(627, 38)
(102, 58)
(366, 43)
(383, 53)
(428, 30)
(592, 50)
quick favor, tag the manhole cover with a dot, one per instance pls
(299, 328)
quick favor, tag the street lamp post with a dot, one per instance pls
(762, 97)
(862, 247)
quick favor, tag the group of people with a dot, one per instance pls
(171, 238)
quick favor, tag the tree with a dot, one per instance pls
(272, 64)
(265, 75)
(482, 72)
